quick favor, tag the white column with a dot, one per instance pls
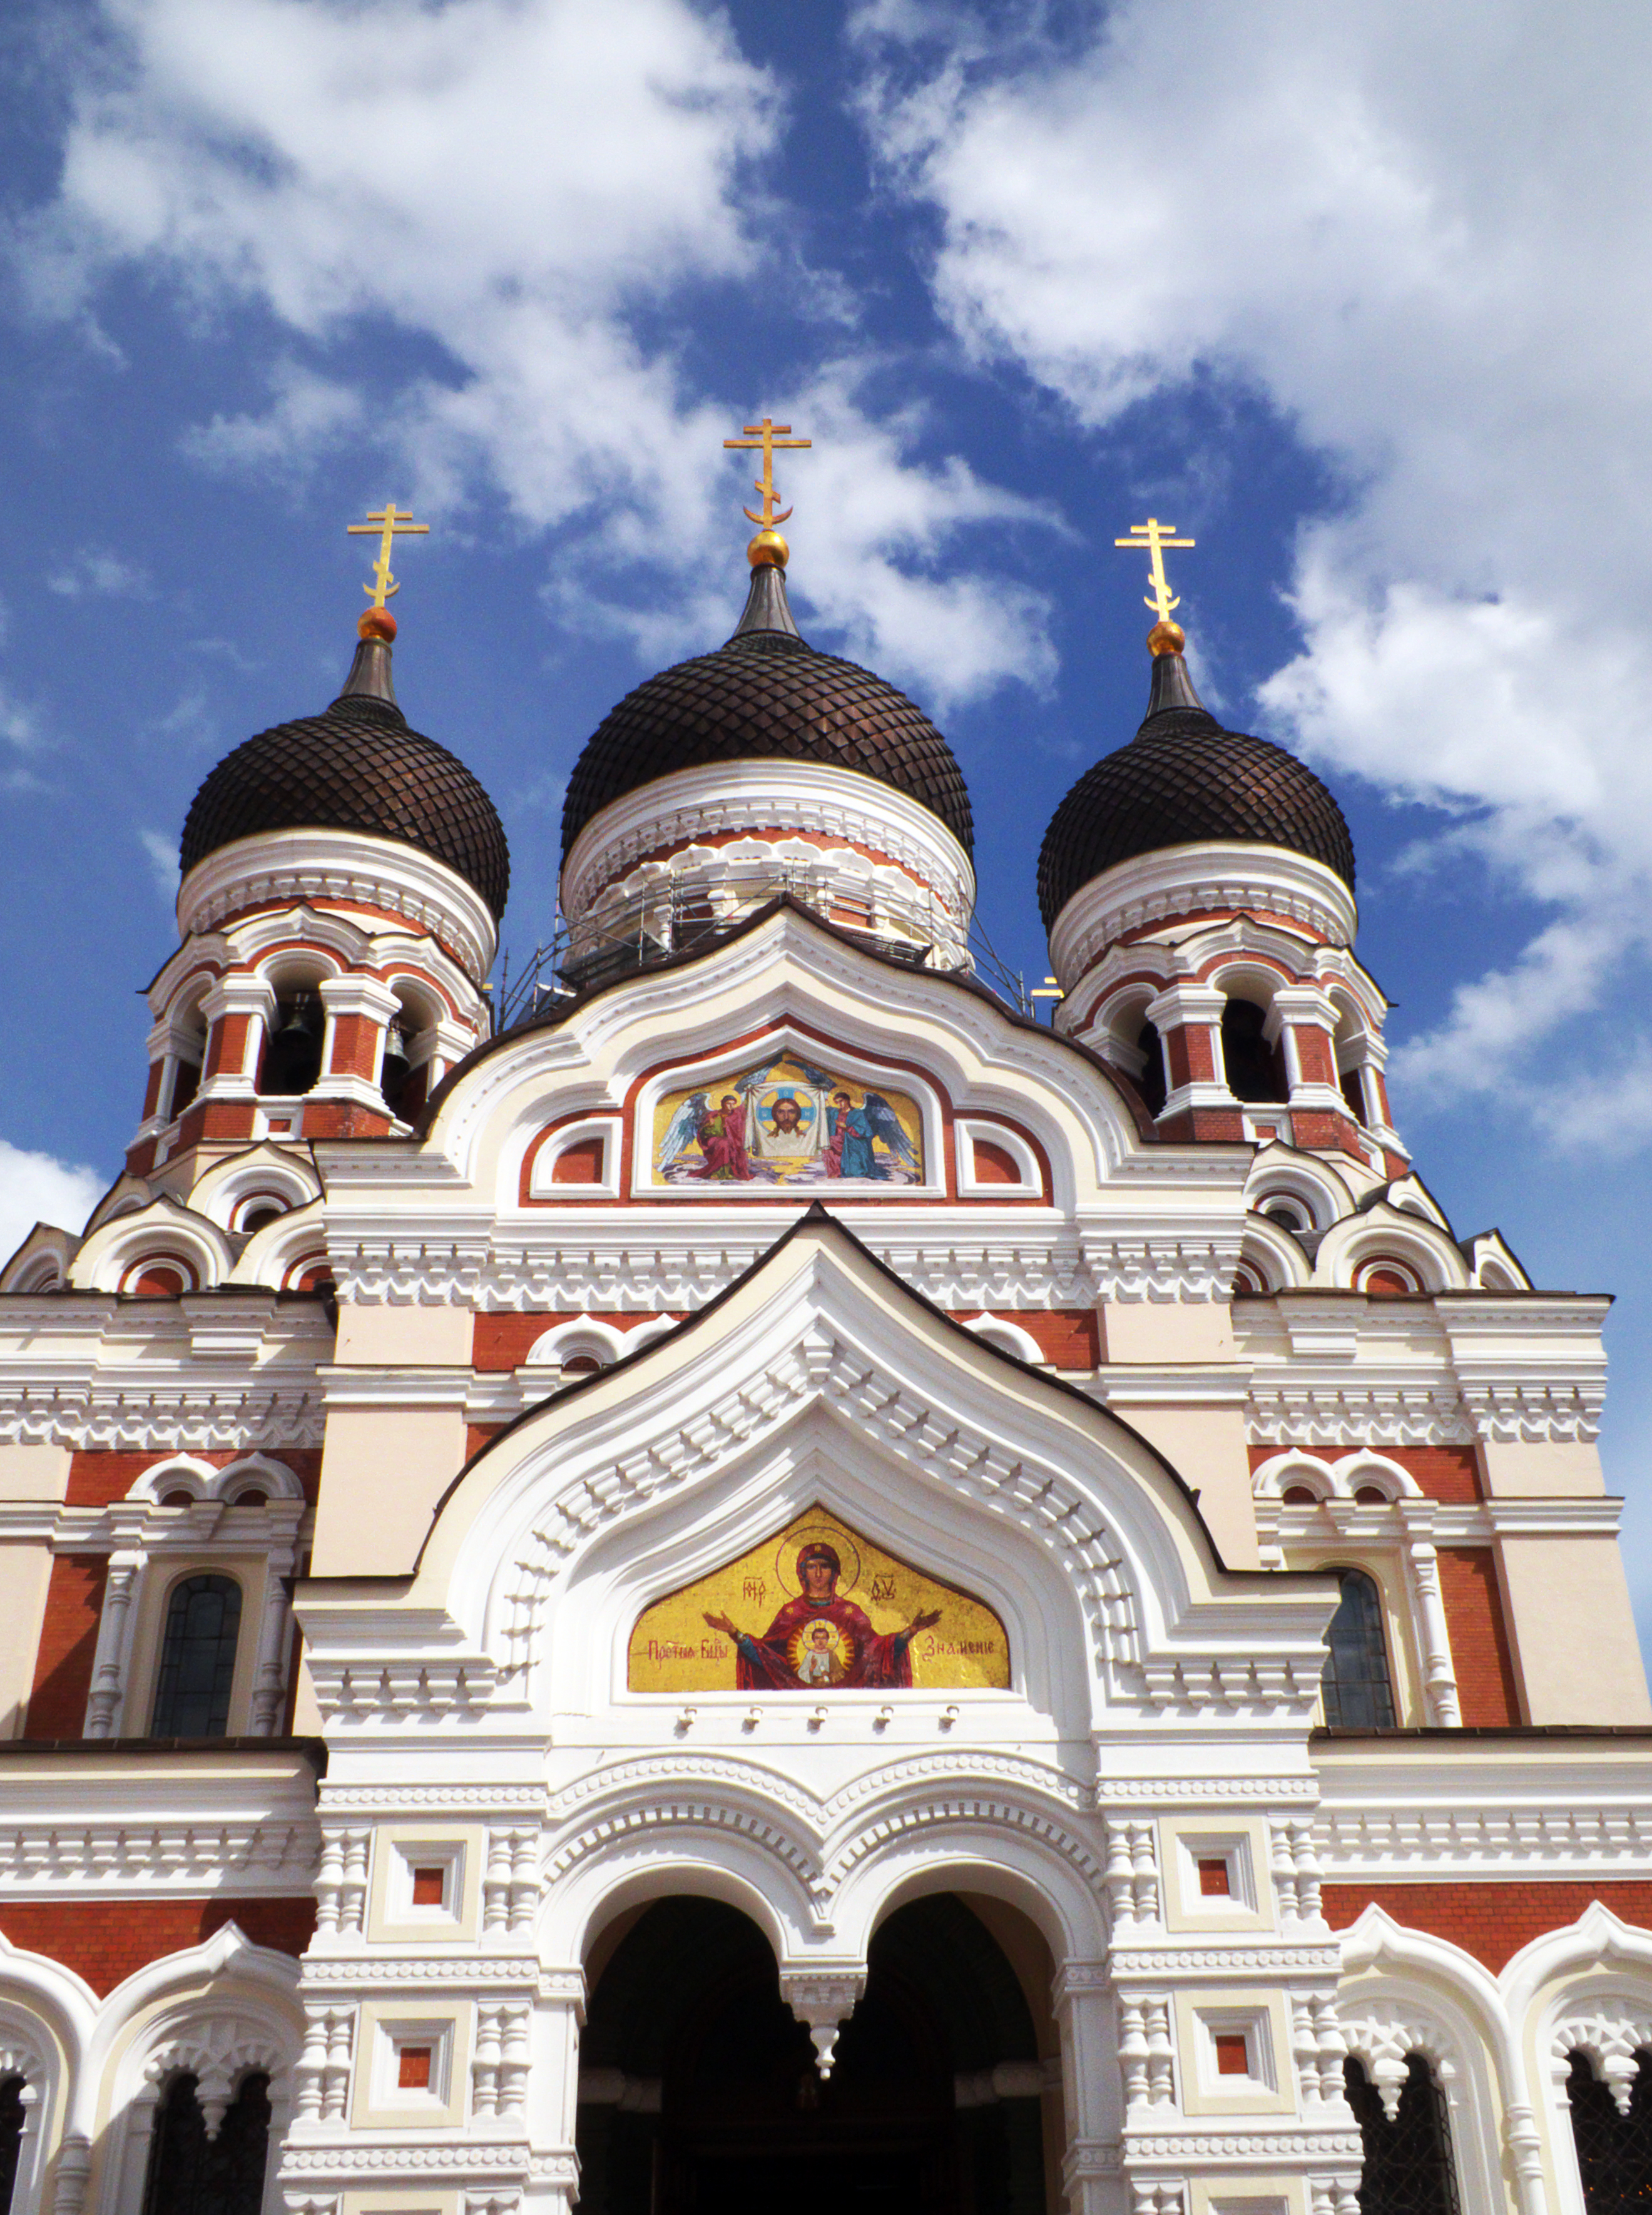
(255, 997)
(269, 1665)
(1092, 2174)
(553, 2101)
(105, 1701)
(1428, 1605)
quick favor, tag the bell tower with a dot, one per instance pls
(1198, 888)
(343, 880)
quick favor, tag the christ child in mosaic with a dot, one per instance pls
(819, 1632)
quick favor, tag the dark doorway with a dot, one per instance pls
(699, 2096)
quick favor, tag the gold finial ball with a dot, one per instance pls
(378, 623)
(1166, 638)
(768, 549)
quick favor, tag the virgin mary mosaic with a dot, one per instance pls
(788, 1122)
(817, 1609)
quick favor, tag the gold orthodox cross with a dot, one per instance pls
(1152, 537)
(767, 435)
(389, 522)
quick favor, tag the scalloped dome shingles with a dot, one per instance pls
(767, 696)
(1183, 778)
(359, 766)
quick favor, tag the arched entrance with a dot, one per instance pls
(698, 2094)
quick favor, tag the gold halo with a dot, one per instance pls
(831, 1534)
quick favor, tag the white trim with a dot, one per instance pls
(1201, 877)
(972, 1130)
(286, 867)
(766, 794)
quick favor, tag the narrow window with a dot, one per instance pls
(1349, 1083)
(1408, 2161)
(1614, 2152)
(1255, 1070)
(12, 2115)
(203, 1619)
(190, 2174)
(1358, 1692)
(1152, 1080)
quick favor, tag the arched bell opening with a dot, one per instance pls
(296, 1036)
(1254, 1063)
(699, 2088)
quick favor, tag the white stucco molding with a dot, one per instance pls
(768, 795)
(1200, 877)
(819, 1377)
(279, 866)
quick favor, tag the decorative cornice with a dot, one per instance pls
(277, 867)
(1206, 878)
(656, 1268)
(758, 795)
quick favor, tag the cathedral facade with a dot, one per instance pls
(757, 1578)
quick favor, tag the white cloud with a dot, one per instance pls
(532, 185)
(308, 415)
(1386, 223)
(161, 855)
(96, 573)
(39, 1188)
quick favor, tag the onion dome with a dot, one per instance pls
(358, 766)
(1184, 780)
(767, 695)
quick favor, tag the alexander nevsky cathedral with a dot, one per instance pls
(753, 1579)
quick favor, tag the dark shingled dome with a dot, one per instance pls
(767, 696)
(1182, 778)
(357, 767)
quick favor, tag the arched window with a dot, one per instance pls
(190, 2174)
(1408, 2161)
(12, 2118)
(1614, 2152)
(1150, 1045)
(1255, 1070)
(292, 1059)
(203, 1619)
(1358, 1692)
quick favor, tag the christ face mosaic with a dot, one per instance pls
(786, 1121)
(817, 1607)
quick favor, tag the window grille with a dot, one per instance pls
(1408, 2162)
(1357, 1689)
(1614, 2152)
(190, 2174)
(203, 1620)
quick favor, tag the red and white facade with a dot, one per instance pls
(452, 1396)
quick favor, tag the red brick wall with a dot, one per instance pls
(1446, 1473)
(63, 1667)
(501, 1341)
(105, 1941)
(1490, 1921)
(476, 1435)
(95, 1479)
(1070, 1338)
(1486, 1685)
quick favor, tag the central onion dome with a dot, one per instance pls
(1184, 780)
(763, 768)
(767, 695)
(358, 766)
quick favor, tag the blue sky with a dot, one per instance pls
(1330, 289)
